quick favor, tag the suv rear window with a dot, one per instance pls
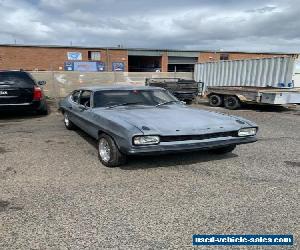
(22, 79)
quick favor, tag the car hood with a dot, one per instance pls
(174, 119)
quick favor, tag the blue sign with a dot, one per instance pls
(84, 66)
(75, 56)
(69, 66)
(100, 66)
(118, 66)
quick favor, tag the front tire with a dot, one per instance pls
(69, 125)
(224, 150)
(108, 152)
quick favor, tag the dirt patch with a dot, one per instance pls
(24, 131)
(3, 205)
(10, 169)
(3, 150)
(58, 142)
(292, 163)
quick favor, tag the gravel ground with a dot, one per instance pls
(55, 194)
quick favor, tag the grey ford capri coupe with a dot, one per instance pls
(140, 120)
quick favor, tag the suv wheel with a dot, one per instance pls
(108, 152)
(43, 111)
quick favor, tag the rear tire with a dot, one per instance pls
(43, 109)
(215, 100)
(232, 102)
(69, 125)
(223, 150)
(108, 152)
(43, 112)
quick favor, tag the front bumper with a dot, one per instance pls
(185, 146)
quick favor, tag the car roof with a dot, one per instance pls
(13, 72)
(118, 87)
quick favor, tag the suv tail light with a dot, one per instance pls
(37, 94)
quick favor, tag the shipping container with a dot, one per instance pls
(278, 72)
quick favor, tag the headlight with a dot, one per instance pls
(146, 140)
(247, 131)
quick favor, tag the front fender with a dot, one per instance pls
(121, 131)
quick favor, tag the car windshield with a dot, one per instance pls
(114, 98)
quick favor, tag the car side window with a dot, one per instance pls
(75, 96)
(85, 98)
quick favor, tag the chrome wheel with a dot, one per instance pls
(104, 150)
(66, 120)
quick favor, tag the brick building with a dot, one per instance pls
(77, 58)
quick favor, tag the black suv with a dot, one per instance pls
(19, 91)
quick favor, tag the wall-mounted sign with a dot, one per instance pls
(69, 66)
(118, 66)
(75, 56)
(84, 66)
(100, 66)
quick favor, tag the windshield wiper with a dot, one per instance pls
(164, 103)
(123, 104)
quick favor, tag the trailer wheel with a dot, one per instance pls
(215, 100)
(232, 102)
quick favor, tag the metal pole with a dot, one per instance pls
(55, 94)
(175, 71)
(107, 59)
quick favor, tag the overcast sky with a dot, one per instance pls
(236, 25)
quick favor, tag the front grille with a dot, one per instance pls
(171, 138)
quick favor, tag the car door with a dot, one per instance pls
(72, 107)
(85, 113)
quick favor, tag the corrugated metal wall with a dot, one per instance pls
(275, 72)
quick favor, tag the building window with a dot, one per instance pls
(224, 56)
(94, 55)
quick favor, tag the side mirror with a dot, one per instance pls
(42, 82)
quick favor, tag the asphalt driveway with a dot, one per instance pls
(55, 194)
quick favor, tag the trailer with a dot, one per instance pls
(269, 81)
(183, 89)
(234, 97)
